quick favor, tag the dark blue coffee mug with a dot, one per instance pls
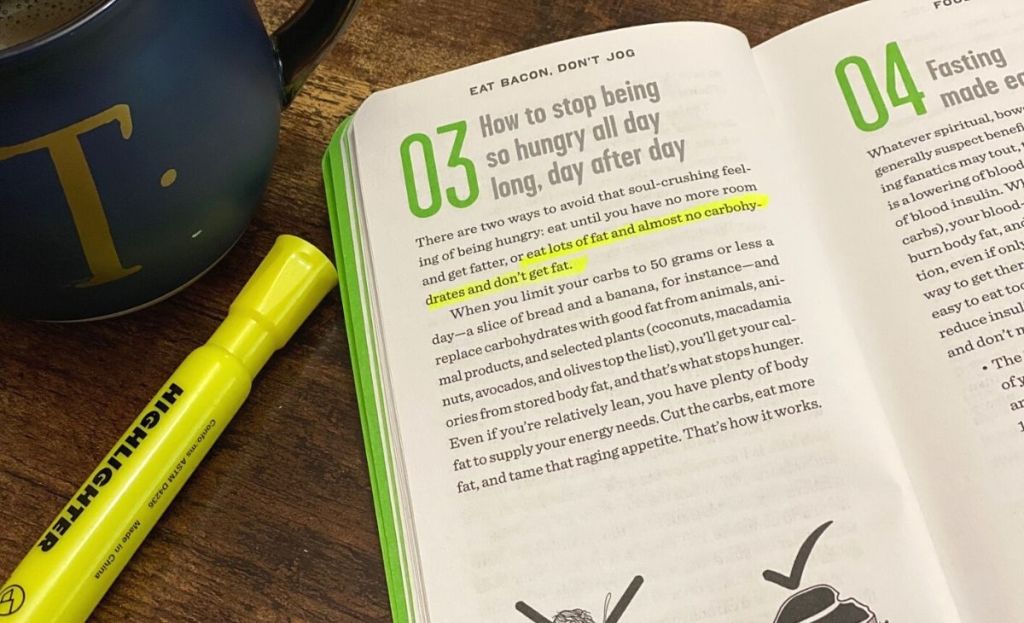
(135, 144)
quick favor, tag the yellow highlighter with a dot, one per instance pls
(82, 552)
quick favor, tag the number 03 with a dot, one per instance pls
(456, 161)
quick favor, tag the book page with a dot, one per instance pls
(621, 386)
(910, 117)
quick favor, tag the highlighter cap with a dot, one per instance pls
(285, 289)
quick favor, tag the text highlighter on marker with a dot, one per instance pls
(84, 549)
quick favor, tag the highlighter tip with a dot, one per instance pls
(287, 286)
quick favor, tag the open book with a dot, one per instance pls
(650, 326)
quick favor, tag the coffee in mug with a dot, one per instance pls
(25, 20)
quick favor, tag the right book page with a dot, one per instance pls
(910, 115)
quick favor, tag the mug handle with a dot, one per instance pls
(304, 39)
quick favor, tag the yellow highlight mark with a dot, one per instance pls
(529, 274)
(508, 281)
(695, 214)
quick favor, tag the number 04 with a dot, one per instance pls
(897, 76)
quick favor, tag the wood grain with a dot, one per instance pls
(277, 524)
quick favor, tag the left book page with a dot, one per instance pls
(602, 365)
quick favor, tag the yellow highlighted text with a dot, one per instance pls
(507, 281)
(695, 214)
(544, 264)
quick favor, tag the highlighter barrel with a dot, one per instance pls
(88, 544)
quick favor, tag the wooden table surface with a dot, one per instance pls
(277, 524)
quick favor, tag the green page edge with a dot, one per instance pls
(376, 443)
(384, 432)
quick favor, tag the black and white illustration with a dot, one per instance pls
(578, 615)
(820, 603)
